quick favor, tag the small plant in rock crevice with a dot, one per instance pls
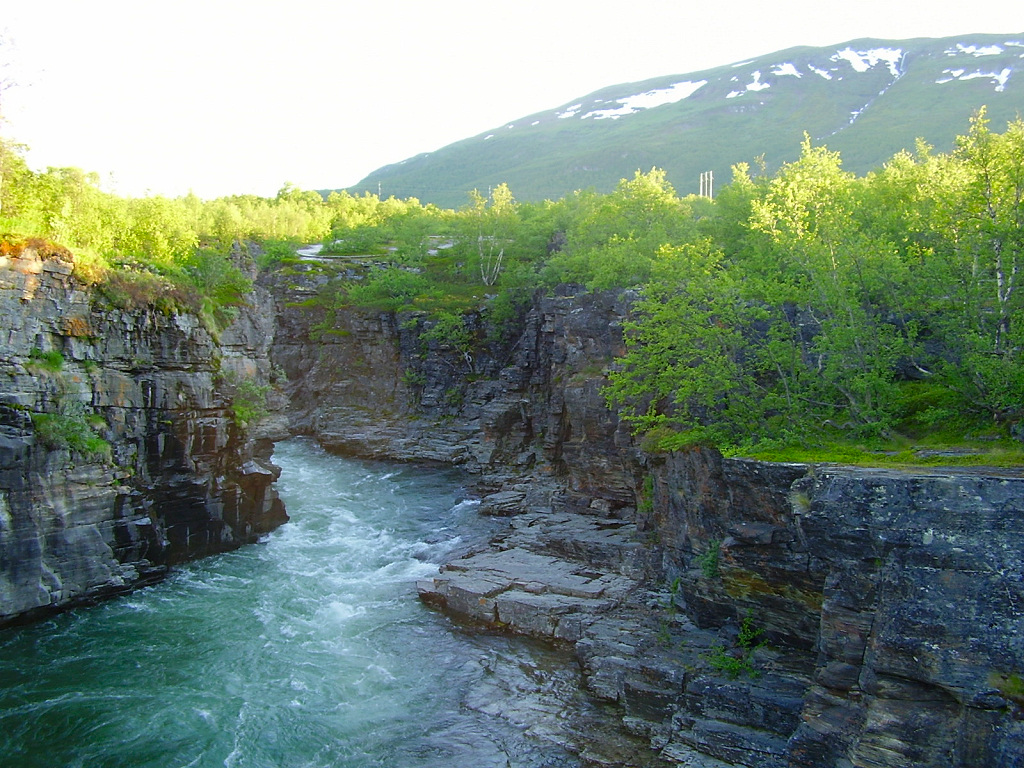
(73, 428)
(645, 499)
(708, 561)
(50, 362)
(738, 660)
(249, 404)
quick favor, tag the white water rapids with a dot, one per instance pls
(309, 649)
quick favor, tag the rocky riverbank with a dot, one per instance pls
(806, 615)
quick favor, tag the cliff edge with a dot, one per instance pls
(118, 452)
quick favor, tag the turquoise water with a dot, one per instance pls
(308, 649)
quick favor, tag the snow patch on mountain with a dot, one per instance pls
(755, 85)
(647, 100)
(862, 61)
(782, 70)
(570, 112)
(823, 72)
(999, 79)
(974, 50)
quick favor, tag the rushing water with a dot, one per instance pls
(308, 649)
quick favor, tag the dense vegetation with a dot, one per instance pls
(805, 307)
(180, 253)
(800, 308)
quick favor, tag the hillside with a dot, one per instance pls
(865, 98)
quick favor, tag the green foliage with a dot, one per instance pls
(249, 403)
(413, 378)
(388, 289)
(219, 282)
(818, 298)
(51, 361)
(72, 428)
(804, 308)
(1011, 686)
(708, 561)
(614, 241)
(645, 501)
(276, 252)
(683, 360)
(449, 331)
(740, 659)
(171, 253)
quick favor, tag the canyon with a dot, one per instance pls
(733, 612)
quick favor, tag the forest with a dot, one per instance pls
(808, 309)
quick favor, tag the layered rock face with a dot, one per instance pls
(531, 406)
(904, 589)
(798, 616)
(175, 480)
(742, 613)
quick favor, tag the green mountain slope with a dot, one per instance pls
(866, 98)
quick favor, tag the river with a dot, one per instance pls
(309, 649)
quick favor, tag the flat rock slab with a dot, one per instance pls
(526, 592)
(600, 542)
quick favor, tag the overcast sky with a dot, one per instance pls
(225, 96)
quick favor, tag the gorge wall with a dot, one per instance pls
(902, 591)
(736, 612)
(742, 613)
(176, 479)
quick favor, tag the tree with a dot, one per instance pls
(973, 202)
(613, 240)
(838, 277)
(492, 220)
(683, 364)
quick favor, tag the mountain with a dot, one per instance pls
(866, 98)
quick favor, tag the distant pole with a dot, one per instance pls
(707, 184)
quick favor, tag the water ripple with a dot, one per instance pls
(309, 649)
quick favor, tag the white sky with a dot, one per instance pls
(241, 96)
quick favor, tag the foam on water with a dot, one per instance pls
(309, 649)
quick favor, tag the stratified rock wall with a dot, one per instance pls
(906, 589)
(179, 480)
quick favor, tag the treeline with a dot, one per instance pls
(802, 307)
(174, 253)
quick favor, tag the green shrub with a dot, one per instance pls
(249, 404)
(51, 362)
(740, 659)
(73, 429)
(708, 561)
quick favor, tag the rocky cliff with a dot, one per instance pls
(526, 407)
(890, 603)
(739, 613)
(118, 452)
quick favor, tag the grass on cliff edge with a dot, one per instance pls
(898, 451)
(931, 429)
(916, 456)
